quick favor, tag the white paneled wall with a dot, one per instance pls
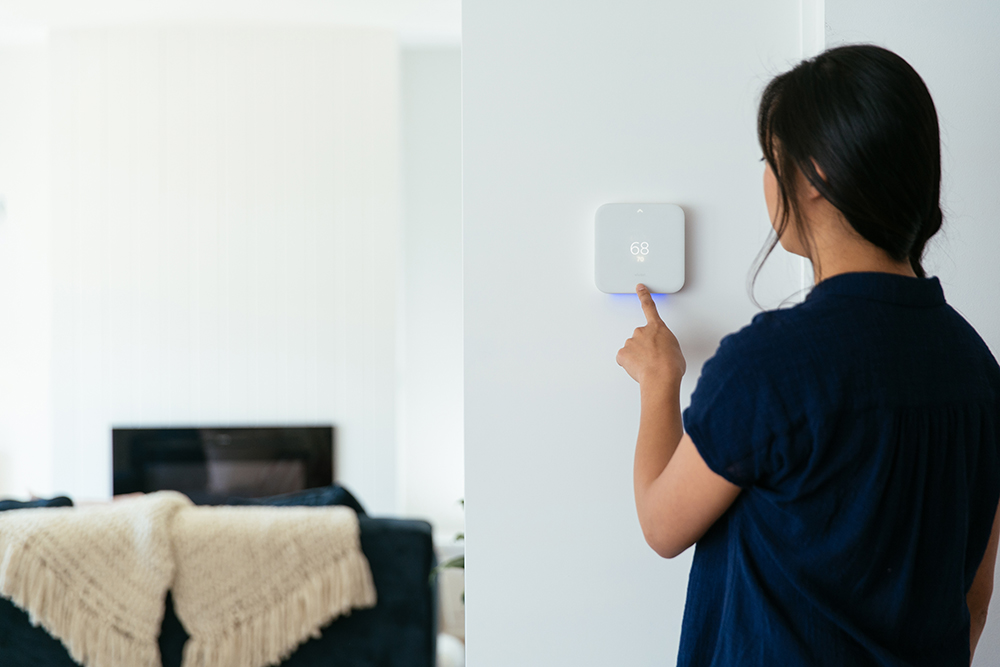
(25, 276)
(225, 239)
(432, 456)
(566, 108)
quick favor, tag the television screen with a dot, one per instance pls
(217, 462)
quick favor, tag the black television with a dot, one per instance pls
(206, 463)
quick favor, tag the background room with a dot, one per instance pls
(233, 214)
(222, 215)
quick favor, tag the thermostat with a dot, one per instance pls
(639, 243)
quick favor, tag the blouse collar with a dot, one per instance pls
(886, 287)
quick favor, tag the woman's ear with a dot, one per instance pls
(810, 190)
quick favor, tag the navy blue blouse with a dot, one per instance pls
(862, 425)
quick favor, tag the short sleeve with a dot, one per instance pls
(736, 418)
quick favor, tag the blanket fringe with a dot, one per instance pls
(272, 637)
(90, 639)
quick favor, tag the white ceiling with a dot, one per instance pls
(416, 21)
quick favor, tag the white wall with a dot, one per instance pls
(225, 239)
(956, 51)
(431, 453)
(25, 273)
(567, 107)
(422, 21)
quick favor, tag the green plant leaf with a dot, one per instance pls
(456, 562)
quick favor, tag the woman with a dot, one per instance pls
(838, 465)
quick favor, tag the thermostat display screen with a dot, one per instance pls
(640, 249)
(639, 243)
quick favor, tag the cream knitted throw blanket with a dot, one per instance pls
(249, 583)
(254, 582)
(94, 577)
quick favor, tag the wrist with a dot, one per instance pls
(660, 387)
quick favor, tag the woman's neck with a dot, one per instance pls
(848, 258)
(838, 248)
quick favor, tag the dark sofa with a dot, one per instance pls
(400, 631)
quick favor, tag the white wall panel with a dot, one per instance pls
(567, 106)
(225, 239)
(25, 274)
(432, 446)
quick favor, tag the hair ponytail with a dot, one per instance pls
(930, 227)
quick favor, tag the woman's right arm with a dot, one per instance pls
(978, 597)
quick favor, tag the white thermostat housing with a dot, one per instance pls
(639, 243)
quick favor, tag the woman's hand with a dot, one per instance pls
(652, 354)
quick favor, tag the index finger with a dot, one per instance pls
(648, 306)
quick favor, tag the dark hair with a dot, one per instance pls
(867, 119)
